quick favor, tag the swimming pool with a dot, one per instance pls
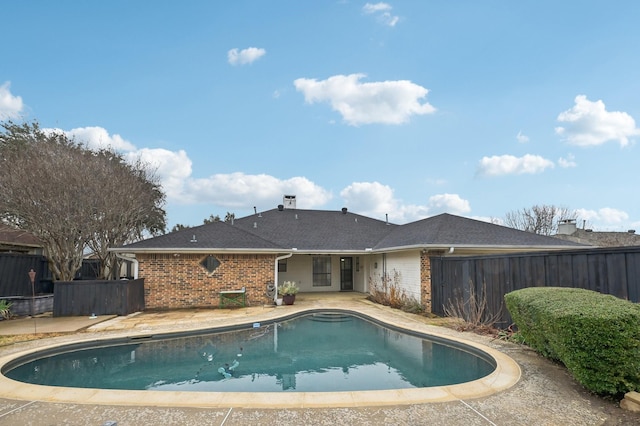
(506, 374)
(325, 351)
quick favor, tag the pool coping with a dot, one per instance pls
(506, 375)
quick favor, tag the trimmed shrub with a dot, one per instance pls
(596, 336)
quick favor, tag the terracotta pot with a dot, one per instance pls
(288, 299)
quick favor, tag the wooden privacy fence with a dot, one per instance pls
(614, 271)
(14, 278)
(121, 297)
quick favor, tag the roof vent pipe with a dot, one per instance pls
(255, 224)
(344, 210)
(280, 207)
(255, 210)
(386, 215)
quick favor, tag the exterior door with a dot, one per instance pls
(346, 273)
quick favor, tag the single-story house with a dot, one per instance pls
(14, 240)
(319, 250)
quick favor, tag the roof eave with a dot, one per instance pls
(338, 251)
(479, 247)
(196, 250)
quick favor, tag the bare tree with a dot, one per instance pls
(538, 219)
(73, 198)
(128, 206)
(39, 179)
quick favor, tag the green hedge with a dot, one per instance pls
(596, 336)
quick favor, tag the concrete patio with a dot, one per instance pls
(545, 394)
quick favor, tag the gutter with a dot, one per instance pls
(279, 258)
(132, 260)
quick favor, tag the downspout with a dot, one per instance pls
(279, 258)
(132, 260)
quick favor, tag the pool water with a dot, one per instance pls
(318, 352)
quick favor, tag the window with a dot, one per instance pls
(282, 265)
(322, 271)
(210, 263)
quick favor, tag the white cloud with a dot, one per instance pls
(172, 168)
(603, 217)
(376, 200)
(589, 123)
(370, 198)
(243, 190)
(245, 56)
(376, 7)
(499, 165)
(382, 12)
(387, 102)
(98, 137)
(174, 171)
(567, 162)
(234, 190)
(10, 105)
(448, 203)
(522, 138)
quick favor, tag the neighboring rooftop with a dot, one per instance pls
(17, 240)
(568, 231)
(603, 239)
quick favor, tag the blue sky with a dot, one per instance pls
(405, 108)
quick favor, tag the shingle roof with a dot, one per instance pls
(340, 231)
(318, 230)
(14, 236)
(450, 230)
(215, 235)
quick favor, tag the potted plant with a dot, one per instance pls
(288, 291)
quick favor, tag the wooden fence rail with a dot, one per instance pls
(614, 271)
(121, 297)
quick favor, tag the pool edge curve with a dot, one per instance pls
(506, 375)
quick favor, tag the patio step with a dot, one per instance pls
(330, 317)
(631, 402)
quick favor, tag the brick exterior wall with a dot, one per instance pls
(425, 281)
(180, 281)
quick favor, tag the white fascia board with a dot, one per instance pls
(479, 248)
(197, 250)
(334, 252)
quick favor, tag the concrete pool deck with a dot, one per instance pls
(545, 394)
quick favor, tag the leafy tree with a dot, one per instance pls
(179, 227)
(212, 219)
(538, 219)
(74, 199)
